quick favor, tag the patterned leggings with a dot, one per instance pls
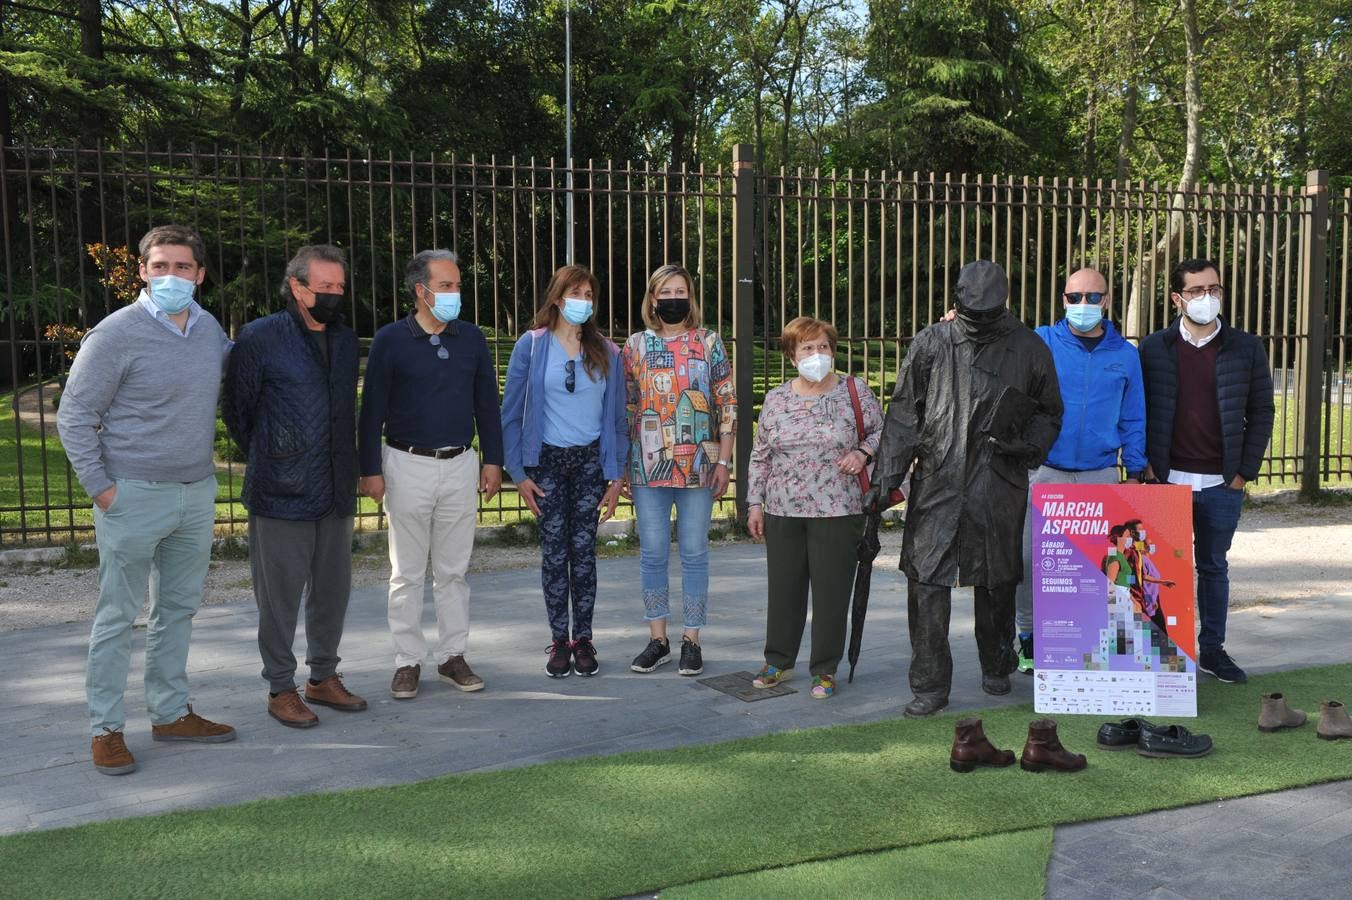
(573, 484)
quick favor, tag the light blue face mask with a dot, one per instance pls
(446, 306)
(576, 310)
(171, 293)
(1084, 316)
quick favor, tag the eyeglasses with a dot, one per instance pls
(1214, 290)
(570, 375)
(1085, 296)
(435, 341)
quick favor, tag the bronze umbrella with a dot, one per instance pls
(867, 551)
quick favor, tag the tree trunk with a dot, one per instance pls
(93, 124)
(1126, 141)
(1171, 242)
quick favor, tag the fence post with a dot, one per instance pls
(743, 307)
(1310, 314)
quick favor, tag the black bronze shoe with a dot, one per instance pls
(923, 705)
(1123, 735)
(1164, 741)
(998, 685)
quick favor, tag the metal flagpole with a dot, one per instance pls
(568, 119)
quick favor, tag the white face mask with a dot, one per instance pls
(1204, 309)
(816, 367)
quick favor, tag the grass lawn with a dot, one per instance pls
(658, 819)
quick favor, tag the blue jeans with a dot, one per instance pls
(694, 509)
(155, 538)
(1215, 516)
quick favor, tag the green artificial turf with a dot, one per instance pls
(1011, 866)
(610, 826)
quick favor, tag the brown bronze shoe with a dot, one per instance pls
(111, 756)
(331, 692)
(405, 683)
(971, 748)
(291, 711)
(192, 727)
(1043, 751)
(457, 673)
(1275, 715)
(1334, 725)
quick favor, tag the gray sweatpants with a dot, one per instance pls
(1023, 595)
(291, 562)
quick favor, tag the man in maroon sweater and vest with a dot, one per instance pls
(1209, 411)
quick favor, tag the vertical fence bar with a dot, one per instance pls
(743, 324)
(1310, 308)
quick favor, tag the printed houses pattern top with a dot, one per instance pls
(680, 400)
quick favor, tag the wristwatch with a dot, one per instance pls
(868, 457)
(725, 464)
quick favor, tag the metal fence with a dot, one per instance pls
(876, 254)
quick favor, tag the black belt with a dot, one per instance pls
(448, 453)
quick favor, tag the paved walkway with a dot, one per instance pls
(523, 718)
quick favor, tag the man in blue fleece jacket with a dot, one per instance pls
(1104, 421)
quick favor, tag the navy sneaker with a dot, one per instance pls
(1219, 665)
(560, 659)
(692, 660)
(584, 658)
(655, 654)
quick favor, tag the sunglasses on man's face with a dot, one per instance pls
(1085, 296)
(435, 341)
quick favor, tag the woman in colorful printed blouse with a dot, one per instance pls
(804, 498)
(564, 436)
(682, 409)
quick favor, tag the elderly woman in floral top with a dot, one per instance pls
(682, 408)
(805, 500)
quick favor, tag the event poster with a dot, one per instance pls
(1113, 600)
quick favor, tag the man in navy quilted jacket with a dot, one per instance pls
(290, 404)
(1209, 411)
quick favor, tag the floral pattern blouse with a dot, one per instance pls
(681, 400)
(798, 441)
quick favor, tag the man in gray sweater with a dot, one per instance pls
(138, 418)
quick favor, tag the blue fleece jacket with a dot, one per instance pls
(523, 411)
(1104, 396)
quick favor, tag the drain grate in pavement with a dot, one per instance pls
(738, 684)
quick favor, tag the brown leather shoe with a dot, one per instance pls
(405, 683)
(111, 756)
(332, 693)
(291, 711)
(457, 673)
(1274, 714)
(1043, 751)
(192, 727)
(1334, 725)
(971, 748)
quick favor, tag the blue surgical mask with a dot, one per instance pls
(1084, 316)
(446, 306)
(171, 293)
(576, 310)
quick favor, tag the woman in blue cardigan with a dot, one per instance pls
(565, 437)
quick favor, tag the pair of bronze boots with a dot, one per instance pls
(1275, 715)
(1042, 752)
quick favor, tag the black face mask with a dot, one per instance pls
(673, 310)
(981, 317)
(328, 308)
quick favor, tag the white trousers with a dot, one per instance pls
(431, 505)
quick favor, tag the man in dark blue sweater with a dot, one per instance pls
(430, 387)
(290, 404)
(1209, 412)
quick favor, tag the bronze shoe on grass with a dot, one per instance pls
(291, 711)
(971, 748)
(1274, 714)
(1334, 725)
(331, 692)
(111, 756)
(192, 727)
(1043, 751)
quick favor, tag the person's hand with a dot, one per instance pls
(625, 491)
(852, 463)
(490, 479)
(105, 499)
(755, 522)
(950, 315)
(1149, 476)
(372, 486)
(1238, 483)
(1168, 584)
(718, 481)
(873, 498)
(530, 493)
(609, 501)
